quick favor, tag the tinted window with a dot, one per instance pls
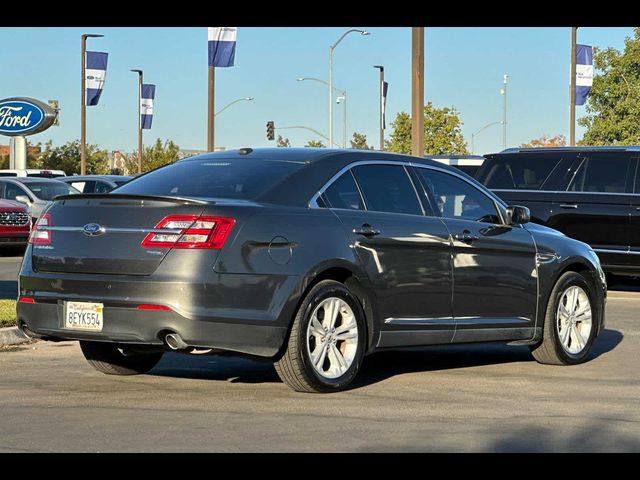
(601, 174)
(48, 190)
(11, 191)
(103, 187)
(243, 178)
(520, 172)
(45, 175)
(6, 174)
(470, 170)
(457, 198)
(343, 193)
(387, 188)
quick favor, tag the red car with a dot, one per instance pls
(15, 223)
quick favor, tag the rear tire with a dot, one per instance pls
(570, 322)
(112, 359)
(327, 341)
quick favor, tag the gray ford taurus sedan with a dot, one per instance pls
(312, 258)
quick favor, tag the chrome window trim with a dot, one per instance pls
(488, 193)
(609, 250)
(564, 191)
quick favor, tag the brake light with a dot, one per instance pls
(150, 306)
(39, 236)
(26, 300)
(190, 231)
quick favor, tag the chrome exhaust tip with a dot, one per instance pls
(175, 342)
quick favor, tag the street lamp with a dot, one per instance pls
(503, 92)
(473, 135)
(381, 68)
(83, 106)
(342, 98)
(140, 80)
(243, 99)
(331, 49)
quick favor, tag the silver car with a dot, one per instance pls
(36, 193)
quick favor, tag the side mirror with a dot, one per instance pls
(517, 215)
(23, 199)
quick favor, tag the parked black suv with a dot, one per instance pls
(589, 193)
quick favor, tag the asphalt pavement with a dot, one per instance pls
(480, 398)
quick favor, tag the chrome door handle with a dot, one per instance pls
(366, 230)
(466, 237)
(568, 205)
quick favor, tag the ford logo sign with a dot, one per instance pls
(25, 116)
(92, 230)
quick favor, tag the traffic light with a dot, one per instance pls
(271, 135)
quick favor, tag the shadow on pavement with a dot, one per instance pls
(376, 367)
(8, 289)
(12, 251)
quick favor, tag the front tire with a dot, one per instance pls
(569, 325)
(114, 360)
(327, 341)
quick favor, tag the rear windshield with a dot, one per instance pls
(518, 172)
(241, 178)
(45, 175)
(48, 190)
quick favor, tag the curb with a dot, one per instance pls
(12, 336)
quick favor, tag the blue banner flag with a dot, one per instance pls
(584, 72)
(147, 95)
(94, 74)
(222, 46)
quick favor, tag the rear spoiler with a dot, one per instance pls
(131, 196)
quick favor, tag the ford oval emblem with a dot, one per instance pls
(25, 116)
(92, 230)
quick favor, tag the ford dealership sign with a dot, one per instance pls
(25, 116)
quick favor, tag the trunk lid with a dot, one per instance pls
(102, 234)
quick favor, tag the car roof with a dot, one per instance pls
(307, 155)
(72, 178)
(605, 148)
(30, 179)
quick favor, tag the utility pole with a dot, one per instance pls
(417, 91)
(572, 95)
(381, 68)
(503, 91)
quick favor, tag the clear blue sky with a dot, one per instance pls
(463, 69)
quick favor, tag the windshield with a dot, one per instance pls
(48, 190)
(238, 178)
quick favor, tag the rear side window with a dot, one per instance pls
(84, 186)
(343, 193)
(606, 174)
(521, 172)
(240, 178)
(103, 187)
(387, 188)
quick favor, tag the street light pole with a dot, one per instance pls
(140, 81)
(248, 99)
(503, 91)
(381, 68)
(83, 100)
(343, 95)
(473, 135)
(331, 49)
(211, 128)
(572, 95)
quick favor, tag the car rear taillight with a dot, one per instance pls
(38, 235)
(26, 300)
(189, 231)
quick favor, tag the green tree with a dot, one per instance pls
(282, 142)
(160, 153)
(4, 161)
(613, 105)
(315, 144)
(442, 132)
(67, 157)
(359, 141)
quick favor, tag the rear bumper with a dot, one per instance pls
(129, 325)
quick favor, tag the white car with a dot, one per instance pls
(32, 172)
(469, 164)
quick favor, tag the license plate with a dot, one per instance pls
(83, 316)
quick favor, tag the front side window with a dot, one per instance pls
(601, 174)
(387, 188)
(343, 193)
(456, 198)
(520, 172)
(11, 191)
